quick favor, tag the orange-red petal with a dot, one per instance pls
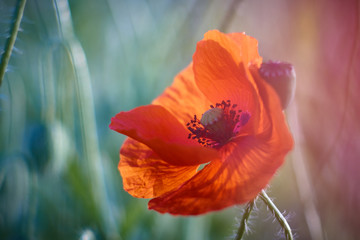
(248, 48)
(243, 48)
(155, 127)
(183, 99)
(247, 166)
(159, 161)
(145, 174)
(220, 78)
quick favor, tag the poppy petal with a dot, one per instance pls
(218, 76)
(183, 98)
(145, 174)
(244, 51)
(247, 167)
(238, 179)
(155, 127)
(243, 48)
(248, 47)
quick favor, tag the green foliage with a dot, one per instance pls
(58, 175)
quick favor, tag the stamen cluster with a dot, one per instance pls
(221, 127)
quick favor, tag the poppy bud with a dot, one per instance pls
(281, 76)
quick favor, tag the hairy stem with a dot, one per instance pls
(11, 40)
(244, 220)
(280, 218)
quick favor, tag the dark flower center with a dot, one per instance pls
(218, 124)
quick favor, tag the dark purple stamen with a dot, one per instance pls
(220, 124)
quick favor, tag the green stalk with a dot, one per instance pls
(244, 220)
(11, 41)
(86, 108)
(279, 217)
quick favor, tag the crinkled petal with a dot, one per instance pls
(236, 180)
(243, 48)
(270, 106)
(145, 174)
(155, 127)
(248, 48)
(183, 98)
(219, 77)
(247, 166)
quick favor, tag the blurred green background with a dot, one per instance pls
(77, 63)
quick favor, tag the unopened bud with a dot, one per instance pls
(281, 76)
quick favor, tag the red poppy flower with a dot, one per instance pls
(218, 112)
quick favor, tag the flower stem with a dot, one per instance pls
(280, 218)
(11, 40)
(244, 220)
